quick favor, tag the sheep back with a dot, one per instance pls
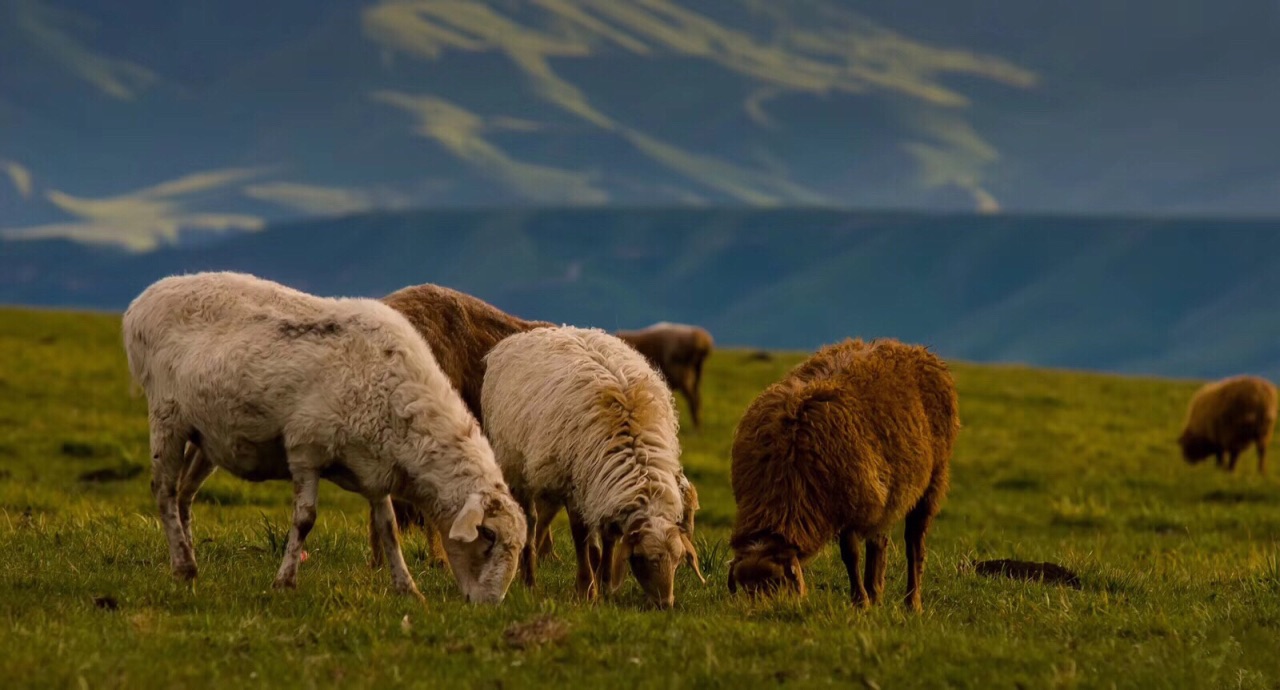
(461, 330)
(579, 414)
(851, 438)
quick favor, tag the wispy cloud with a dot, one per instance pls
(19, 176)
(146, 218)
(461, 132)
(50, 30)
(820, 49)
(313, 199)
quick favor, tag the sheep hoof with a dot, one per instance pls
(185, 572)
(285, 583)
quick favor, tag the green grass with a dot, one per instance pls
(1180, 566)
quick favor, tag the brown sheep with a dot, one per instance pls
(853, 440)
(1227, 416)
(678, 351)
(461, 329)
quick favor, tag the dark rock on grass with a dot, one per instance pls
(121, 473)
(106, 603)
(536, 633)
(76, 449)
(1233, 497)
(1027, 570)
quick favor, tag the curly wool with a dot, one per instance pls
(854, 437)
(579, 414)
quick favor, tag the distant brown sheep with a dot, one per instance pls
(460, 329)
(678, 351)
(853, 440)
(1226, 417)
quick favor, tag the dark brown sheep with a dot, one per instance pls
(678, 351)
(853, 440)
(461, 330)
(1226, 417)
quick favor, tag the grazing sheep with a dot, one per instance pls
(853, 440)
(460, 329)
(271, 383)
(577, 417)
(678, 351)
(1227, 416)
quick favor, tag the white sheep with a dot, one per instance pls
(578, 417)
(271, 383)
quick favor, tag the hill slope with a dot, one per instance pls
(130, 123)
(1175, 297)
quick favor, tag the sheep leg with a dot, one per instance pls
(546, 513)
(1262, 456)
(375, 540)
(695, 395)
(918, 521)
(383, 517)
(1220, 459)
(582, 546)
(849, 554)
(167, 463)
(529, 554)
(198, 470)
(1234, 455)
(610, 578)
(874, 574)
(306, 484)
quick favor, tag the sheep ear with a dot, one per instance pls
(466, 527)
(795, 575)
(691, 554)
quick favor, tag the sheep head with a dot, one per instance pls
(765, 569)
(485, 539)
(1195, 448)
(653, 546)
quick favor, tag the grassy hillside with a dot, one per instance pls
(1181, 575)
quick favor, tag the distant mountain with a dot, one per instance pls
(1174, 297)
(148, 123)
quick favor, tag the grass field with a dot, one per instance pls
(1180, 565)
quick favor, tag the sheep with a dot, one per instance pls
(577, 417)
(460, 329)
(268, 382)
(1225, 417)
(678, 351)
(851, 441)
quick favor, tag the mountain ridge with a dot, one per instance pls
(1125, 294)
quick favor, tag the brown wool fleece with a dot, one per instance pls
(1228, 416)
(678, 352)
(852, 439)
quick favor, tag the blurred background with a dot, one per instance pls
(1092, 184)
